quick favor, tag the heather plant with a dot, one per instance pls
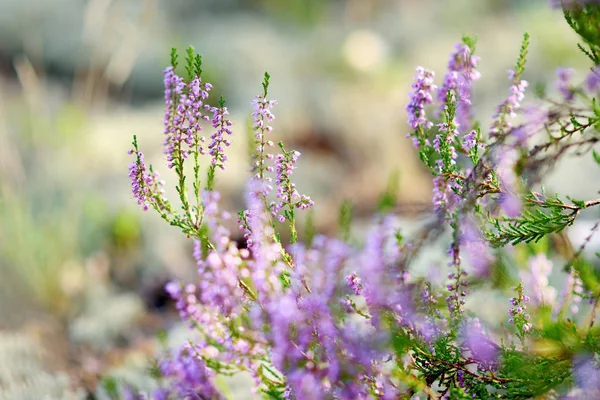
(318, 317)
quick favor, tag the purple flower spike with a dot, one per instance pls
(355, 283)
(507, 109)
(535, 280)
(592, 82)
(218, 139)
(461, 73)
(184, 105)
(189, 376)
(563, 77)
(420, 96)
(145, 186)
(286, 194)
(261, 119)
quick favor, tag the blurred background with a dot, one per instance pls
(82, 267)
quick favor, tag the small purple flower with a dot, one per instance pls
(509, 200)
(470, 141)
(286, 193)
(223, 127)
(577, 294)
(445, 197)
(592, 82)
(461, 73)
(535, 280)
(420, 96)
(563, 77)
(479, 253)
(517, 313)
(506, 111)
(383, 283)
(188, 376)
(355, 283)
(460, 377)
(220, 270)
(145, 186)
(511, 204)
(587, 376)
(261, 118)
(184, 104)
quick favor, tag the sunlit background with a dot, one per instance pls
(82, 267)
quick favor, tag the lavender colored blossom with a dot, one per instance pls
(587, 377)
(186, 300)
(517, 312)
(445, 196)
(449, 133)
(461, 73)
(184, 105)
(478, 252)
(592, 82)
(145, 185)
(189, 376)
(265, 266)
(470, 141)
(223, 127)
(506, 111)
(382, 282)
(535, 280)
(420, 96)
(221, 269)
(428, 326)
(261, 118)
(509, 200)
(460, 377)
(577, 294)
(244, 352)
(304, 328)
(536, 118)
(566, 292)
(511, 204)
(563, 77)
(455, 299)
(355, 283)
(286, 193)
(477, 342)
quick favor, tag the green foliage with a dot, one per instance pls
(584, 20)
(275, 385)
(589, 274)
(309, 228)
(523, 373)
(265, 84)
(596, 157)
(546, 215)
(470, 41)
(531, 226)
(345, 220)
(193, 63)
(111, 386)
(174, 58)
(522, 59)
(389, 198)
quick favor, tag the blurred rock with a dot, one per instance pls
(25, 374)
(108, 319)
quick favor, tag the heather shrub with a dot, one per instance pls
(317, 317)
